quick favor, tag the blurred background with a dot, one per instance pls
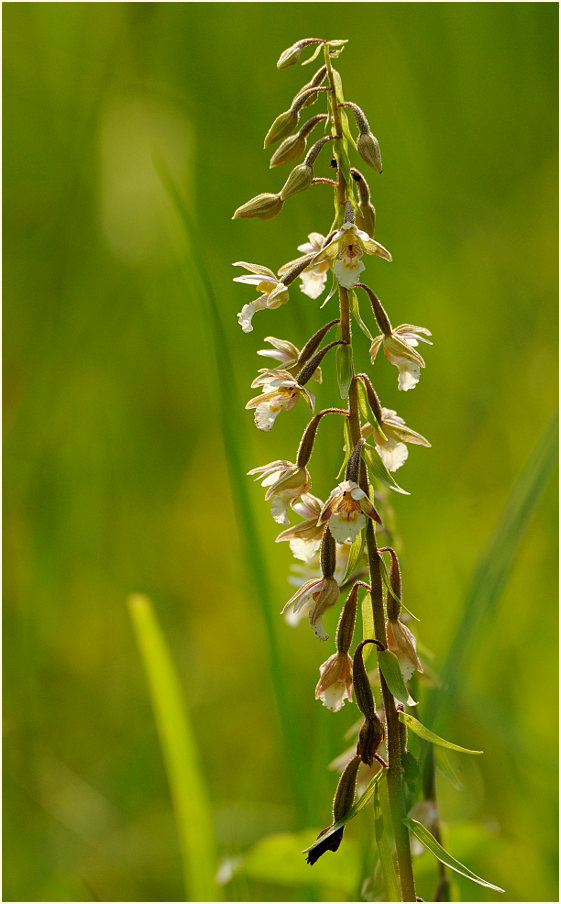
(124, 444)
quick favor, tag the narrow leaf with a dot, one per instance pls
(444, 765)
(427, 735)
(429, 841)
(389, 665)
(190, 803)
(313, 56)
(344, 360)
(354, 811)
(378, 469)
(355, 308)
(355, 553)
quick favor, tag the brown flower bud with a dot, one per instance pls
(299, 180)
(363, 691)
(264, 206)
(346, 626)
(393, 607)
(382, 318)
(345, 793)
(370, 737)
(291, 149)
(328, 556)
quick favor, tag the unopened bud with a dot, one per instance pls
(307, 442)
(382, 318)
(366, 218)
(292, 54)
(312, 364)
(370, 737)
(263, 206)
(373, 399)
(353, 465)
(363, 691)
(291, 149)
(314, 82)
(393, 607)
(346, 626)
(328, 554)
(284, 124)
(369, 149)
(314, 341)
(300, 265)
(345, 793)
(299, 180)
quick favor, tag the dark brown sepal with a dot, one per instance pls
(330, 844)
(363, 691)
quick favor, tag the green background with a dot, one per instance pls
(117, 475)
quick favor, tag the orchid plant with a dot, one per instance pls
(341, 541)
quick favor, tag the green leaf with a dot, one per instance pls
(432, 845)
(276, 859)
(344, 361)
(442, 762)
(354, 811)
(355, 553)
(190, 802)
(356, 314)
(367, 625)
(332, 290)
(314, 55)
(378, 469)
(389, 665)
(427, 735)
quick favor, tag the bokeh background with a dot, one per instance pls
(124, 443)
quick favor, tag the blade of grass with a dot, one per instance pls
(229, 404)
(495, 566)
(187, 787)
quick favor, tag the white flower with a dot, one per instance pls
(346, 511)
(314, 278)
(315, 597)
(401, 641)
(305, 538)
(280, 393)
(336, 681)
(344, 252)
(399, 348)
(390, 443)
(274, 293)
(288, 354)
(285, 483)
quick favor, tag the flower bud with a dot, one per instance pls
(284, 124)
(292, 54)
(291, 149)
(345, 793)
(353, 464)
(346, 626)
(313, 83)
(264, 206)
(370, 737)
(393, 606)
(369, 149)
(327, 555)
(299, 180)
(363, 691)
(366, 218)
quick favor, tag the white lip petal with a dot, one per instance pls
(408, 376)
(245, 317)
(345, 531)
(393, 454)
(265, 417)
(279, 510)
(348, 276)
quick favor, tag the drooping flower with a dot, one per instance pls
(305, 538)
(346, 511)
(345, 248)
(287, 353)
(274, 293)
(399, 349)
(336, 681)
(280, 393)
(315, 597)
(391, 442)
(401, 641)
(313, 280)
(285, 483)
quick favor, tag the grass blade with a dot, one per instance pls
(187, 787)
